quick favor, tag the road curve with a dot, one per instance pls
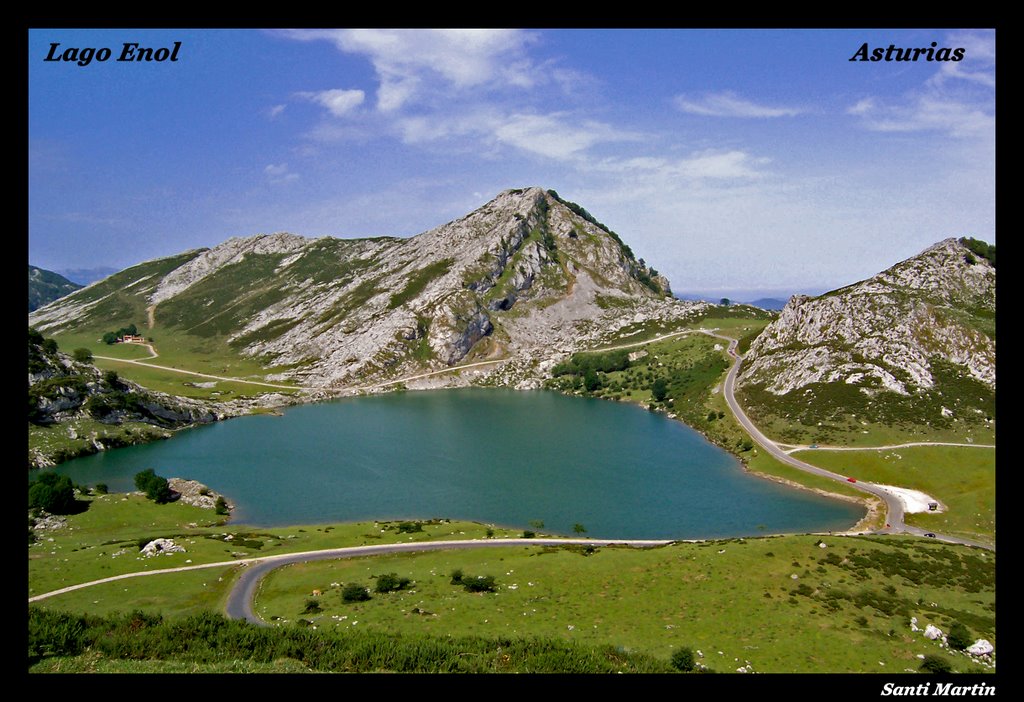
(240, 599)
(894, 507)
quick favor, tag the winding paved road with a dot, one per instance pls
(894, 506)
(241, 597)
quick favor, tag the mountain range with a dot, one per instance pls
(524, 277)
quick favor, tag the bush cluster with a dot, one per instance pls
(155, 486)
(211, 638)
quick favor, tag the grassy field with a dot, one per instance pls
(104, 540)
(962, 478)
(848, 608)
(210, 355)
(736, 601)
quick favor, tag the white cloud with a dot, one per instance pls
(728, 104)
(958, 99)
(275, 111)
(338, 102)
(930, 113)
(552, 136)
(408, 61)
(279, 173)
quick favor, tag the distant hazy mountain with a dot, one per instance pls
(523, 277)
(84, 276)
(46, 286)
(769, 303)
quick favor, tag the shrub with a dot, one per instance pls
(221, 506)
(959, 637)
(312, 607)
(155, 486)
(354, 592)
(82, 355)
(682, 660)
(456, 576)
(52, 493)
(409, 527)
(481, 583)
(101, 488)
(390, 582)
(936, 664)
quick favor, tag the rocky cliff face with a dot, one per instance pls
(62, 391)
(524, 276)
(926, 319)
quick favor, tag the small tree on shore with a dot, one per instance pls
(155, 486)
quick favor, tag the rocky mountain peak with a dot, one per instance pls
(525, 275)
(886, 333)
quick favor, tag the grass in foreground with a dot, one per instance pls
(847, 609)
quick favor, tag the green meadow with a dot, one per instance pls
(774, 603)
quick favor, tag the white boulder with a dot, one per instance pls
(981, 647)
(932, 632)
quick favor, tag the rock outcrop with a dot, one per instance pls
(926, 321)
(886, 329)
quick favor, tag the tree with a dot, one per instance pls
(390, 582)
(683, 660)
(110, 338)
(221, 506)
(101, 488)
(590, 380)
(354, 592)
(936, 664)
(959, 637)
(82, 355)
(52, 493)
(659, 389)
(725, 301)
(111, 378)
(155, 486)
(579, 528)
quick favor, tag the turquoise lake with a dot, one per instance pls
(496, 456)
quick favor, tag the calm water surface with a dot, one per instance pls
(496, 456)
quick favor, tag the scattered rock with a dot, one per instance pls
(981, 647)
(195, 493)
(932, 632)
(161, 546)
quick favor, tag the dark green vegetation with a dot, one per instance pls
(52, 493)
(46, 286)
(207, 639)
(675, 376)
(111, 337)
(155, 486)
(983, 249)
(828, 413)
(354, 592)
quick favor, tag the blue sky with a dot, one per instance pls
(731, 160)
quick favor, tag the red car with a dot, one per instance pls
(851, 480)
